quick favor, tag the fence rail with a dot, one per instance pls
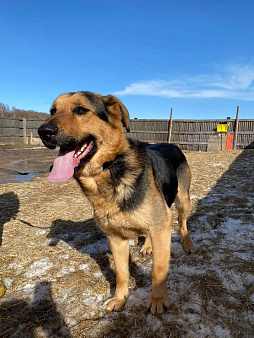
(187, 134)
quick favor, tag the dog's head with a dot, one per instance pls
(87, 127)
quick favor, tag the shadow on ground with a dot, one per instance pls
(87, 238)
(9, 207)
(23, 319)
(231, 197)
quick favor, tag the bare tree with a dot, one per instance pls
(15, 112)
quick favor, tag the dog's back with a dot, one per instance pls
(169, 168)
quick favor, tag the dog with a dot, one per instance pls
(130, 184)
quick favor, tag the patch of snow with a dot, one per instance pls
(249, 316)
(65, 295)
(131, 242)
(65, 270)
(195, 301)
(7, 282)
(138, 297)
(153, 322)
(231, 281)
(235, 231)
(39, 332)
(189, 270)
(202, 219)
(42, 291)
(41, 232)
(221, 332)
(70, 321)
(98, 274)
(85, 266)
(15, 266)
(92, 299)
(202, 331)
(176, 237)
(98, 247)
(191, 318)
(177, 249)
(248, 278)
(245, 256)
(39, 268)
(28, 289)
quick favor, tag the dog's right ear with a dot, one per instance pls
(115, 106)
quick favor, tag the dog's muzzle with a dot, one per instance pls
(47, 131)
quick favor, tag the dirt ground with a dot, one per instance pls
(58, 271)
(21, 164)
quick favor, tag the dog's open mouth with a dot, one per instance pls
(67, 160)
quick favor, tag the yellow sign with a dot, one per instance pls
(222, 128)
(2, 289)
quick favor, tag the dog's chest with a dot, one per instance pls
(107, 200)
(111, 219)
(120, 224)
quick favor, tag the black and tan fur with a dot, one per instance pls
(130, 184)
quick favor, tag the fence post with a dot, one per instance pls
(236, 127)
(170, 125)
(24, 131)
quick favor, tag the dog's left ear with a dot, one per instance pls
(115, 106)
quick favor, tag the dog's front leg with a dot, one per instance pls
(120, 250)
(161, 240)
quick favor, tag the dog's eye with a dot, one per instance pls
(80, 110)
(52, 111)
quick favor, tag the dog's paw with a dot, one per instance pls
(188, 246)
(157, 305)
(115, 304)
(146, 250)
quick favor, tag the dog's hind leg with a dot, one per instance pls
(182, 203)
(147, 247)
(120, 250)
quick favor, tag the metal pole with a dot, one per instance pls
(236, 127)
(170, 125)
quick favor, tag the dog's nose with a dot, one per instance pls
(47, 131)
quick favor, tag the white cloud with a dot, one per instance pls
(234, 82)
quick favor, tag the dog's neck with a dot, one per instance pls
(120, 182)
(104, 160)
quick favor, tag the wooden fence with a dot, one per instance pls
(14, 130)
(192, 134)
(187, 134)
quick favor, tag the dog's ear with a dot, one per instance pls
(115, 106)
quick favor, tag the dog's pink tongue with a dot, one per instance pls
(63, 167)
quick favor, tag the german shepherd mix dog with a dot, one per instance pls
(130, 184)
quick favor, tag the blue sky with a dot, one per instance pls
(194, 56)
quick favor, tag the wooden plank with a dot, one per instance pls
(11, 131)
(7, 123)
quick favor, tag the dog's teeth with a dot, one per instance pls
(83, 147)
(80, 150)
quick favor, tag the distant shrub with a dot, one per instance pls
(14, 112)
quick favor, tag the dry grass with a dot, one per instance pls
(58, 270)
